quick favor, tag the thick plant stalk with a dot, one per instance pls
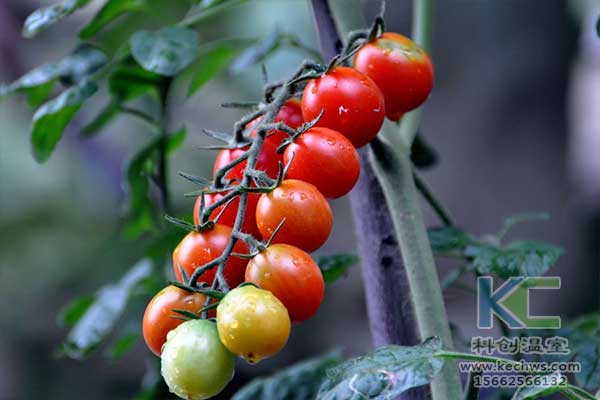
(394, 178)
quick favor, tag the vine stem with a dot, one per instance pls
(391, 163)
(162, 173)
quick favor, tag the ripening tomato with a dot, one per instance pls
(290, 114)
(402, 70)
(308, 217)
(199, 248)
(292, 276)
(231, 209)
(252, 323)
(324, 158)
(353, 104)
(268, 161)
(159, 316)
(194, 362)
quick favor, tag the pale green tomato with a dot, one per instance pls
(194, 362)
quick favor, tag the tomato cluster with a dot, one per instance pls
(276, 282)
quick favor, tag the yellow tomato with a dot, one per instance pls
(252, 323)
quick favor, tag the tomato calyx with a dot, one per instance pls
(301, 129)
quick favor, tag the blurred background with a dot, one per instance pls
(514, 116)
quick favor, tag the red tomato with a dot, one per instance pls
(231, 209)
(402, 70)
(324, 158)
(353, 104)
(292, 276)
(290, 114)
(159, 316)
(308, 216)
(199, 248)
(268, 161)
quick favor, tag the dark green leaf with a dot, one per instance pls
(73, 311)
(101, 120)
(100, 318)
(256, 54)
(211, 64)
(587, 354)
(123, 344)
(175, 140)
(384, 373)
(111, 10)
(207, 8)
(130, 81)
(43, 18)
(422, 154)
(298, 382)
(537, 391)
(50, 120)
(165, 52)
(588, 324)
(517, 259)
(334, 266)
(39, 82)
(447, 239)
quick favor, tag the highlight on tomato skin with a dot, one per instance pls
(325, 158)
(308, 217)
(252, 323)
(159, 317)
(292, 276)
(351, 102)
(228, 211)
(199, 248)
(402, 70)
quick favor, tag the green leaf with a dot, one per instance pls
(74, 68)
(175, 140)
(524, 258)
(100, 318)
(130, 81)
(447, 239)
(43, 18)
(50, 120)
(165, 52)
(298, 382)
(384, 373)
(334, 266)
(207, 8)
(111, 10)
(587, 354)
(73, 311)
(123, 344)
(588, 324)
(212, 63)
(537, 391)
(256, 54)
(106, 115)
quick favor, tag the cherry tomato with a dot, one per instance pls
(292, 276)
(231, 209)
(199, 248)
(194, 362)
(268, 161)
(308, 217)
(158, 318)
(326, 159)
(402, 70)
(353, 104)
(252, 323)
(290, 114)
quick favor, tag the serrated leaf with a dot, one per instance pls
(525, 258)
(39, 82)
(111, 10)
(100, 318)
(384, 373)
(211, 64)
(123, 344)
(298, 382)
(165, 52)
(537, 391)
(45, 17)
(447, 239)
(50, 120)
(73, 311)
(334, 266)
(256, 54)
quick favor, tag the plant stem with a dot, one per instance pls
(437, 206)
(161, 174)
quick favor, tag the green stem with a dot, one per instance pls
(437, 206)
(162, 173)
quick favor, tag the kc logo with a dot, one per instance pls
(510, 302)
